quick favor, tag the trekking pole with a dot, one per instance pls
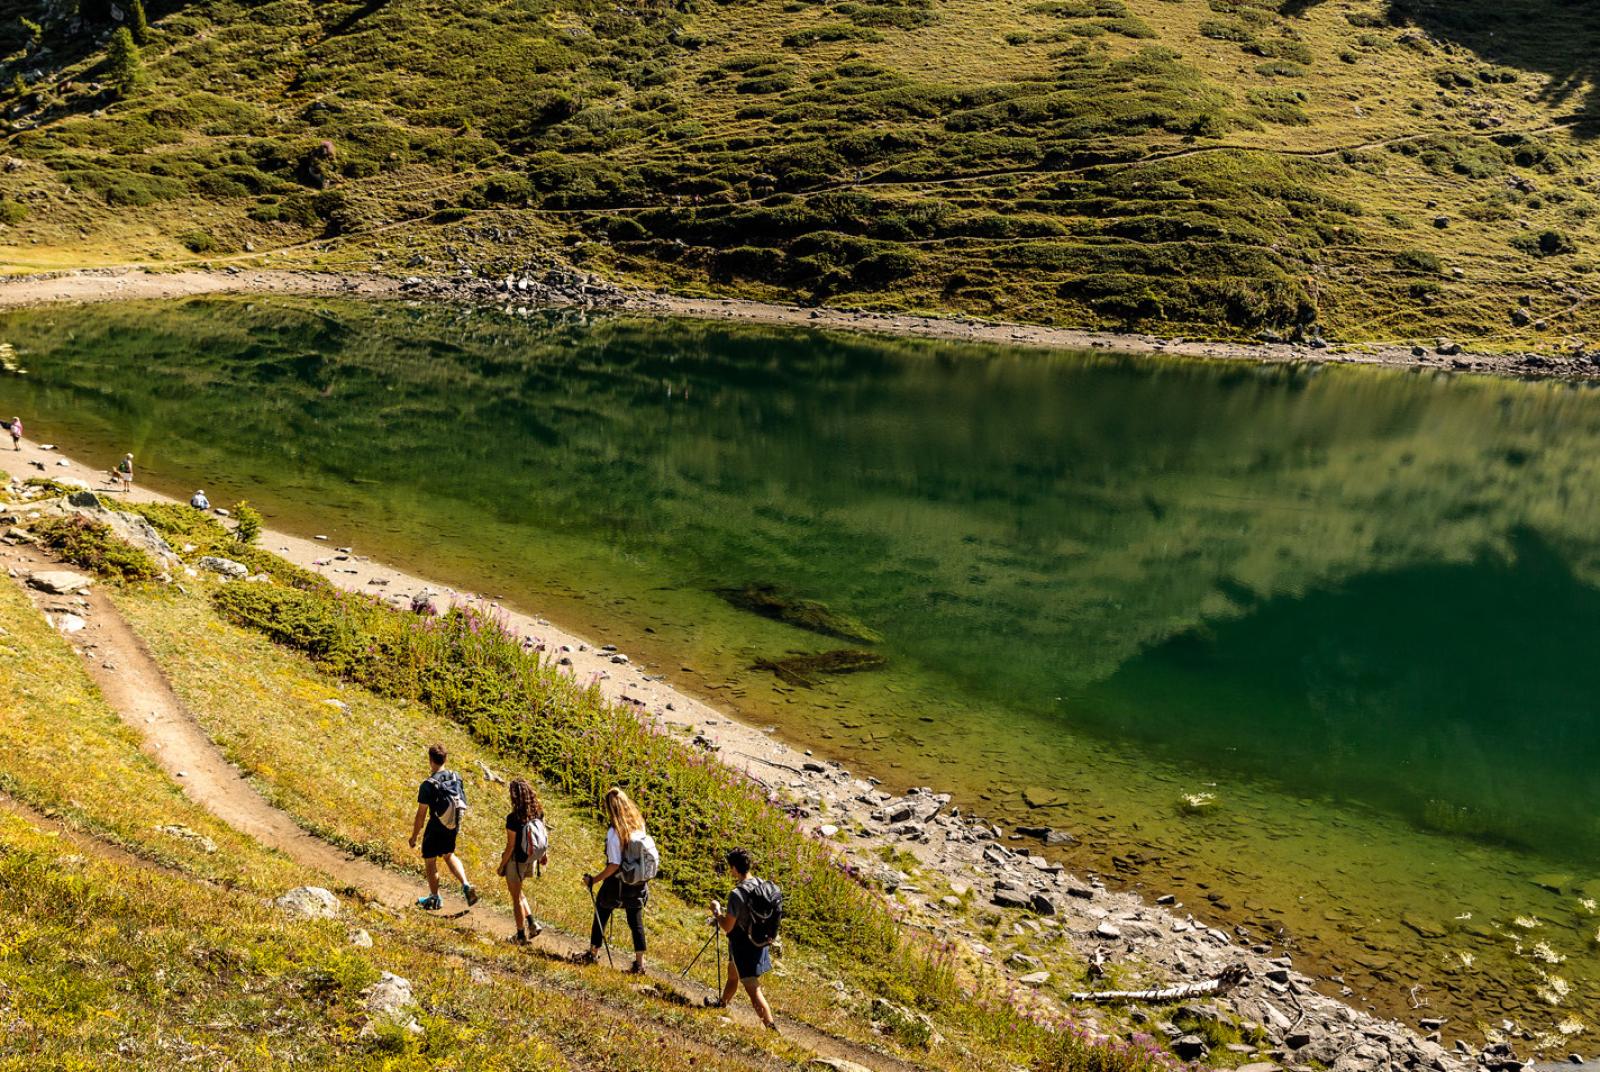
(685, 973)
(603, 939)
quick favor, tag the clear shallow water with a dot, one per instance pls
(1359, 607)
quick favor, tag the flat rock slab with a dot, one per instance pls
(60, 582)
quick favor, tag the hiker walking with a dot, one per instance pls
(441, 805)
(631, 862)
(527, 847)
(123, 473)
(755, 908)
(15, 428)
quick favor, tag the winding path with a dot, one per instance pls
(135, 687)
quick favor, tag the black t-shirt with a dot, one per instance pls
(518, 854)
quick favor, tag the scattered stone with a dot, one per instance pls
(309, 902)
(1106, 930)
(68, 623)
(837, 1064)
(1011, 899)
(1189, 1047)
(227, 567)
(60, 582)
(1038, 797)
(361, 939)
(1038, 978)
(194, 837)
(389, 1001)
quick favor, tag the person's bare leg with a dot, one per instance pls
(430, 867)
(731, 987)
(759, 1000)
(519, 907)
(453, 862)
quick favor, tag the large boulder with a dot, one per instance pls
(60, 582)
(309, 902)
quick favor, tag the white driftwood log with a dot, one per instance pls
(1223, 983)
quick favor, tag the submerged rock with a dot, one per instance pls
(771, 602)
(807, 670)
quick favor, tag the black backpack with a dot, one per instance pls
(761, 910)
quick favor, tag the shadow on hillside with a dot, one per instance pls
(1556, 38)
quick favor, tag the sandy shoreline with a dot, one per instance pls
(126, 284)
(969, 866)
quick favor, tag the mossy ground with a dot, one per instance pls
(1386, 168)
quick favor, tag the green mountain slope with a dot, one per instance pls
(1382, 168)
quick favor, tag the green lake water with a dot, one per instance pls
(1360, 608)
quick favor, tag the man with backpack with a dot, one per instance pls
(441, 805)
(755, 909)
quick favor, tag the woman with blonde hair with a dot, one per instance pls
(527, 847)
(631, 862)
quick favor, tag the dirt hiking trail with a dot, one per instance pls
(135, 687)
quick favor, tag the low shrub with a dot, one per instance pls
(1416, 260)
(469, 668)
(1545, 243)
(92, 545)
(247, 520)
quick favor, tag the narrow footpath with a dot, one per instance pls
(127, 675)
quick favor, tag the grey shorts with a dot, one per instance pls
(521, 872)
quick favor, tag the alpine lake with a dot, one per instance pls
(1317, 650)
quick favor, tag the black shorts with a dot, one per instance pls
(437, 840)
(751, 960)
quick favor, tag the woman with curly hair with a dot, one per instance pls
(527, 847)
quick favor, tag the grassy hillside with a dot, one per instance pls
(140, 922)
(1381, 168)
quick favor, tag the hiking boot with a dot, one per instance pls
(588, 956)
(430, 903)
(518, 939)
(534, 930)
(712, 1003)
(470, 893)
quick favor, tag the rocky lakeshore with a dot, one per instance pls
(527, 288)
(1023, 924)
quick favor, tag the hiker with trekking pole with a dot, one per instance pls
(441, 805)
(527, 849)
(755, 909)
(631, 862)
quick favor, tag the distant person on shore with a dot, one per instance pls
(15, 427)
(755, 908)
(123, 473)
(441, 805)
(631, 862)
(199, 501)
(527, 847)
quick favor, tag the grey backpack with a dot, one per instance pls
(641, 861)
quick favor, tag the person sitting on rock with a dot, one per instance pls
(441, 805)
(199, 501)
